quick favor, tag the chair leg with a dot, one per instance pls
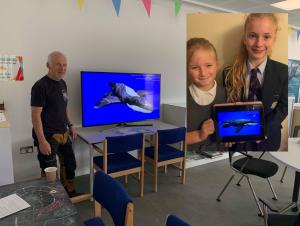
(182, 172)
(155, 179)
(272, 189)
(166, 169)
(141, 177)
(265, 208)
(288, 207)
(181, 167)
(228, 182)
(97, 209)
(283, 174)
(255, 197)
(126, 179)
(238, 183)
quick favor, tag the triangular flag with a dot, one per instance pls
(147, 4)
(290, 31)
(20, 75)
(117, 4)
(298, 34)
(177, 6)
(80, 3)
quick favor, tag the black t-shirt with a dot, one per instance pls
(52, 96)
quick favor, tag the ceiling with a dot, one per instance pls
(252, 6)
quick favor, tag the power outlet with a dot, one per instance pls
(26, 149)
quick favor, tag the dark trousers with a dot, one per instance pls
(65, 153)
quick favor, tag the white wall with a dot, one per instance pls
(93, 39)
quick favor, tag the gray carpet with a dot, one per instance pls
(195, 201)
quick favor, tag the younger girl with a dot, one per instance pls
(202, 93)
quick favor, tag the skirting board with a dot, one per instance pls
(192, 163)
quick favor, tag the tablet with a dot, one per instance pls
(242, 121)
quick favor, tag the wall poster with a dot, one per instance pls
(11, 68)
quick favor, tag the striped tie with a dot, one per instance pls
(254, 87)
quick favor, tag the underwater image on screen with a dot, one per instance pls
(241, 123)
(109, 98)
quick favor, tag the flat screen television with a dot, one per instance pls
(239, 121)
(112, 97)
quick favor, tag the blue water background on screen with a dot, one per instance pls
(228, 117)
(95, 86)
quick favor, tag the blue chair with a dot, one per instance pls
(117, 162)
(164, 154)
(173, 220)
(111, 194)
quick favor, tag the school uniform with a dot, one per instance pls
(274, 96)
(197, 113)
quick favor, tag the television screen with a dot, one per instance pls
(110, 97)
(239, 122)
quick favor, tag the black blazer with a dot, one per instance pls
(275, 102)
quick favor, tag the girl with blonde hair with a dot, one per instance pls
(202, 93)
(254, 76)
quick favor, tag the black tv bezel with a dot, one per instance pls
(120, 122)
(244, 106)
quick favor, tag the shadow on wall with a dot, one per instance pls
(29, 169)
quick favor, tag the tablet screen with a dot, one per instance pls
(239, 122)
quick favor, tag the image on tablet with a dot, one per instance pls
(239, 122)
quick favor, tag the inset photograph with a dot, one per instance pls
(238, 60)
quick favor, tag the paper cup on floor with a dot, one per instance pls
(51, 173)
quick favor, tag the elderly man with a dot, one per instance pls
(52, 123)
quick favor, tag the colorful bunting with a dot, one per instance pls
(117, 4)
(80, 3)
(177, 6)
(147, 4)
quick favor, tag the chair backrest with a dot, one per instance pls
(119, 144)
(111, 194)
(170, 136)
(173, 220)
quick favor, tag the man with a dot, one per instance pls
(52, 123)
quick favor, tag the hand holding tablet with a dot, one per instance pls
(240, 121)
